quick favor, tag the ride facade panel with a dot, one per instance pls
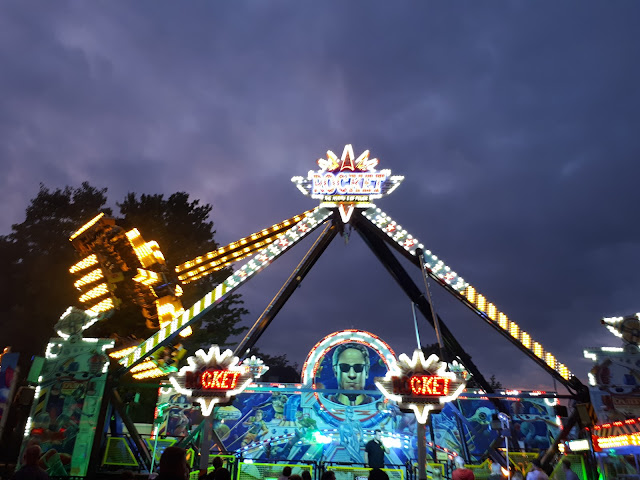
(66, 407)
(335, 411)
(337, 407)
(614, 413)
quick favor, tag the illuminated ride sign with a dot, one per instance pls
(213, 377)
(347, 183)
(220, 380)
(422, 385)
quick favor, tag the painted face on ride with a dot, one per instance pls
(351, 369)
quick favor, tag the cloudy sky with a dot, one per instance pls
(515, 124)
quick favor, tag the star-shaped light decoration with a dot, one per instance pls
(214, 377)
(348, 182)
(256, 366)
(422, 385)
(74, 321)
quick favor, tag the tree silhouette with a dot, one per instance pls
(35, 259)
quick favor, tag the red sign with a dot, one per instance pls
(430, 385)
(212, 380)
(219, 379)
(422, 386)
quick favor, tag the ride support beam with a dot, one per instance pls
(118, 405)
(99, 435)
(551, 454)
(191, 438)
(390, 262)
(572, 383)
(553, 449)
(292, 283)
(253, 266)
(205, 443)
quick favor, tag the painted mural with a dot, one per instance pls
(615, 382)
(65, 410)
(335, 411)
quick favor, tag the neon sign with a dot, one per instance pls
(430, 385)
(215, 377)
(422, 385)
(344, 183)
(347, 183)
(212, 380)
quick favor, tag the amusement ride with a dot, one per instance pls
(346, 187)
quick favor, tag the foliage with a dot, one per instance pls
(34, 258)
(471, 383)
(493, 383)
(280, 370)
(183, 232)
(36, 255)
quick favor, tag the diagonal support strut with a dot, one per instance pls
(390, 262)
(292, 283)
(407, 284)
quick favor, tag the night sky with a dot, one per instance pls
(515, 124)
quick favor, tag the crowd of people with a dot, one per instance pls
(174, 466)
(536, 471)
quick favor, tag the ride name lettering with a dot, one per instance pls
(345, 183)
(213, 380)
(422, 385)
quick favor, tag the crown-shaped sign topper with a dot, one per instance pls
(627, 328)
(214, 377)
(422, 385)
(347, 183)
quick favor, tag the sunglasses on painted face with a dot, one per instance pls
(345, 367)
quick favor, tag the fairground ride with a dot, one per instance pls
(346, 187)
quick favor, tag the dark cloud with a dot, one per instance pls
(515, 126)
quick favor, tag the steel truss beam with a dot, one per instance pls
(572, 383)
(377, 244)
(292, 283)
(257, 263)
(378, 238)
